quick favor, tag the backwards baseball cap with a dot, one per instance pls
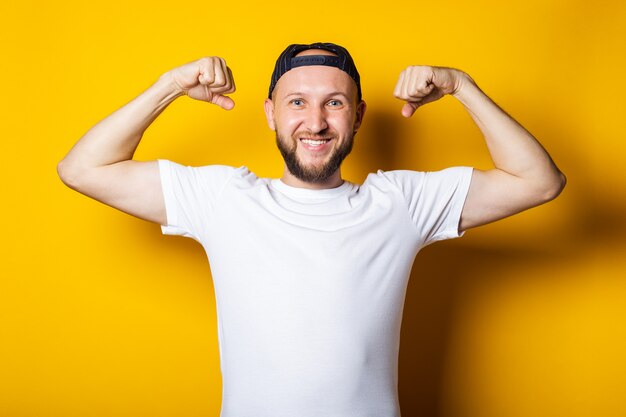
(288, 60)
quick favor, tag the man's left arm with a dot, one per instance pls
(524, 175)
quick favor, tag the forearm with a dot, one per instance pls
(116, 137)
(512, 148)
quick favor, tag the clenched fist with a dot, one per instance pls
(419, 85)
(206, 79)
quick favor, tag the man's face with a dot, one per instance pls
(315, 115)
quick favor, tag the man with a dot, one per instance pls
(310, 271)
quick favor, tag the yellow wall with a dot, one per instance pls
(100, 315)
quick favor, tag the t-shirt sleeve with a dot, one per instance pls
(190, 195)
(434, 199)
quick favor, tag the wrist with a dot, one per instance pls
(462, 84)
(173, 89)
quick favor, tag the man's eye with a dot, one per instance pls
(296, 101)
(335, 103)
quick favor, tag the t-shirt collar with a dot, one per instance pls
(291, 191)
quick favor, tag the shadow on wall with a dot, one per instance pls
(444, 272)
(441, 275)
(376, 146)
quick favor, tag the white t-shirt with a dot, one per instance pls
(310, 284)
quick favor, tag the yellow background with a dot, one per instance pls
(100, 315)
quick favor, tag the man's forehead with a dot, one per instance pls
(316, 79)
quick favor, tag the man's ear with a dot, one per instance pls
(269, 113)
(360, 112)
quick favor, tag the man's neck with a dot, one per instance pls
(333, 182)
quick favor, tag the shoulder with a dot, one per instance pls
(403, 178)
(410, 174)
(419, 185)
(212, 169)
(206, 177)
(203, 171)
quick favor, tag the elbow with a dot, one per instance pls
(554, 188)
(62, 172)
(67, 174)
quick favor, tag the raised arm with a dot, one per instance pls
(524, 175)
(100, 164)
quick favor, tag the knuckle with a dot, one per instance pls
(208, 77)
(219, 80)
(215, 61)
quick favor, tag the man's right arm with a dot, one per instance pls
(100, 164)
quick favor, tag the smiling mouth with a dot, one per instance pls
(314, 142)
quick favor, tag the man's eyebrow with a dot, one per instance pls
(334, 93)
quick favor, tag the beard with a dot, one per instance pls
(314, 173)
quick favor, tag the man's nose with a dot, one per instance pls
(316, 120)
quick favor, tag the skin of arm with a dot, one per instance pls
(524, 175)
(100, 164)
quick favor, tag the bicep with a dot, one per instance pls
(130, 186)
(494, 195)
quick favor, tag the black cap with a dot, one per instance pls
(287, 61)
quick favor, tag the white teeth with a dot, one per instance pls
(314, 142)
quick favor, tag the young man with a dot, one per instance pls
(310, 271)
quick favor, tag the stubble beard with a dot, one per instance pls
(312, 174)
